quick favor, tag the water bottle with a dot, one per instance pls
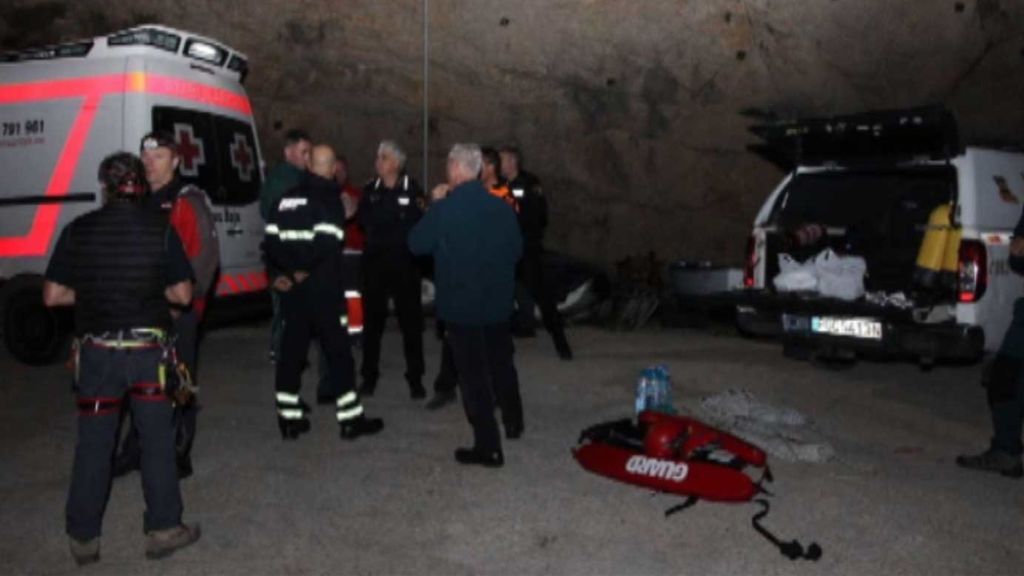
(663, 386)
(643, 390)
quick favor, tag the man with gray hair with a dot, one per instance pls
(475, 241)
(391, 205)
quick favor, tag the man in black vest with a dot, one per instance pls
(120, 267)
(391, 205)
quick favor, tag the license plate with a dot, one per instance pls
(864, 328)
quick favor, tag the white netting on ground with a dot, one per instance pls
(780, 431)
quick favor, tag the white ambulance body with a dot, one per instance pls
(64, 108)
(881, 174)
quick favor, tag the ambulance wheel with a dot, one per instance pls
(32, 332)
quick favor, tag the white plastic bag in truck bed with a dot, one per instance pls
(795, 276)
(840, 277)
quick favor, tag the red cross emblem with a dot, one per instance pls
(242, 158)
(190, 150)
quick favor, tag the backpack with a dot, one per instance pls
(205, 264)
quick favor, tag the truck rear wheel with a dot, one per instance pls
(32, 332)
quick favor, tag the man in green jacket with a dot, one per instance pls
(475, 241)
(282, 178)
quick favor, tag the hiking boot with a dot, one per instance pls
(85, 552)
(163, 543)
(360, 426)
(292, 429)
(441, 399)
(993, 461)
(478, 457)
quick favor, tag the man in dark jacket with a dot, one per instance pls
(1004, 382)
(391, 205)
(280, 179)
(303, 250)
(475, 242)
(533, 221)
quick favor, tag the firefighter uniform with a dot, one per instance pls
(391, 272)
(119, 260)
(531, 287)
(304, 234)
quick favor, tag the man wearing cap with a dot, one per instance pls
(188, 212)
(121, 302)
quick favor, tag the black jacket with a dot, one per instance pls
(305, 232)
(388, 214)
(533, 210)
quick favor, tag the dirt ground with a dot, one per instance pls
(891, 502)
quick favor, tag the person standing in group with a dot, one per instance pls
(188, 212)
(391, 205)
(280, 179)
(121, 267)
(533, 220)
(446, 382)
(1004, 383)
(353, 253)
(475, 242)
(303, 250)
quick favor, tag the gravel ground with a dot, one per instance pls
(890, 503)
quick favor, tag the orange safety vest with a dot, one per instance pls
(502, 191)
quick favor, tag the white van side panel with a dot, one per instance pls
(75, 124)
(760, 234)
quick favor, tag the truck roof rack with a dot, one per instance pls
(928, 132)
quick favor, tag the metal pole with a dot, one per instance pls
(426, 91)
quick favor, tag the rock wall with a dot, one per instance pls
(628, 111)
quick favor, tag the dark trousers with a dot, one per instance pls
(447, 376)
(487, 377)
(304, 313)
(532, 290)
(385, 279)
(1005, 385)
(276, 324)
(352, 264)
(105, 378)
(186, 345)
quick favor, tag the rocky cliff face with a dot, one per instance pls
(628, 111)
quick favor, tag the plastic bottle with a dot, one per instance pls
(643, 390)
(663, 397)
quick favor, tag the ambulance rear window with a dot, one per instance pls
(218, 153)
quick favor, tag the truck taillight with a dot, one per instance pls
(973, 271)
(751, 263)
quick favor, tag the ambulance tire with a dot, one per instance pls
(33, 333)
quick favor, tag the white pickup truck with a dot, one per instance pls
(871, 181)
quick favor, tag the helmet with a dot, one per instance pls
(664, 438)
(122, 175)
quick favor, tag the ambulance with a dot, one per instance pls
(869, 183)
(64, 108)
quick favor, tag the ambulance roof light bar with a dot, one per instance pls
(146, 37)
(205, 52)
(72, 50)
